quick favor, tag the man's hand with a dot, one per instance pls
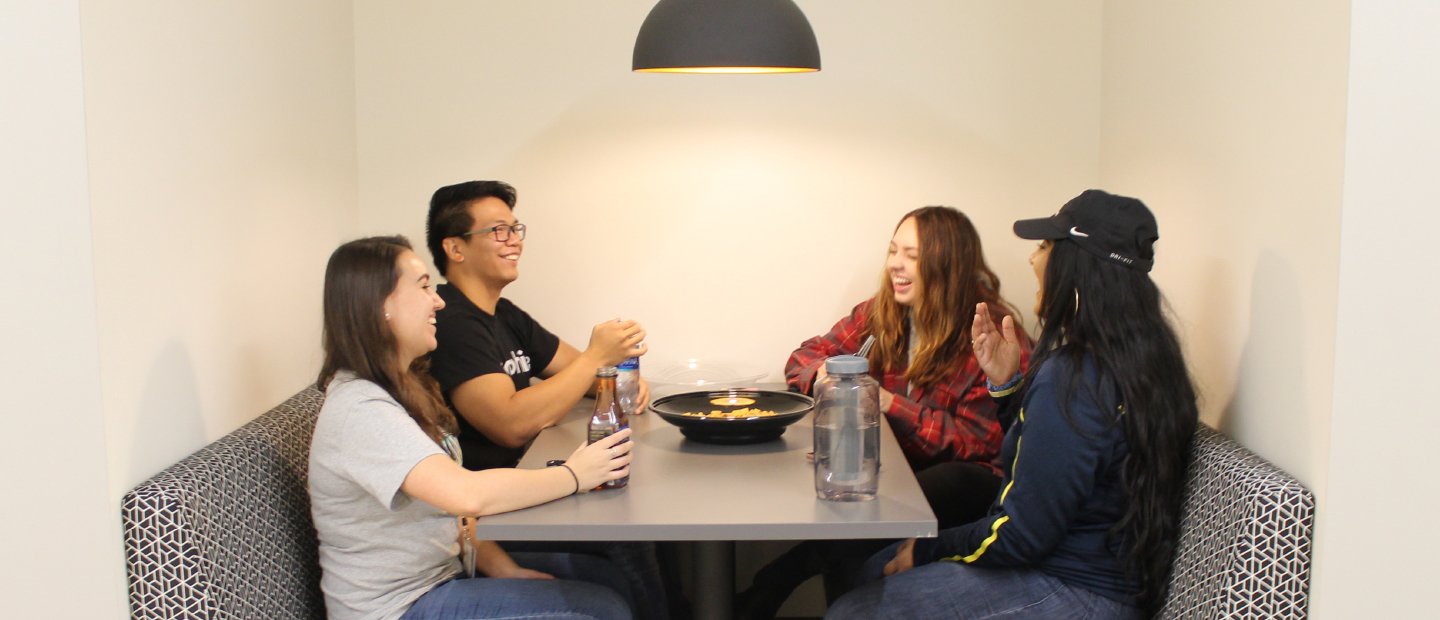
(642, 395)
(615, 341)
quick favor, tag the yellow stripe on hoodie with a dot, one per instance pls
(995, 527)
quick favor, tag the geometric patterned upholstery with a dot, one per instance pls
(226, 532)
(1245, 537)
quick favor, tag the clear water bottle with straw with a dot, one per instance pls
(847, 431)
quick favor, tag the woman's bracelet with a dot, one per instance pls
(572, 477)
(1009, 385)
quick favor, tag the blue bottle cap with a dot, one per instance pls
(847, 365)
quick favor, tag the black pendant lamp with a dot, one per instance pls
(726, 36)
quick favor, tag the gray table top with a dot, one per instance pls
(684, 490)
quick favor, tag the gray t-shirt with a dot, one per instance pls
(379, 549)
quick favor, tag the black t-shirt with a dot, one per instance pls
(474, 343)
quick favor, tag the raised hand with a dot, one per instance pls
(996, 349)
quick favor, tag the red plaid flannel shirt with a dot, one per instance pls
(953, 420)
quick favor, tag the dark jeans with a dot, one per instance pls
(958, 493)
(961, 591)
(649, 570)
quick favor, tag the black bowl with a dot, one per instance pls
(789, 407)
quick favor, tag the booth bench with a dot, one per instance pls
(226, 532)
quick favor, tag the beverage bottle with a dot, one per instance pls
(627, 385)
(608, 418)
(847, 431)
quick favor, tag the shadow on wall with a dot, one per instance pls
(168, 423)
(1196, 306)
(1269, 399)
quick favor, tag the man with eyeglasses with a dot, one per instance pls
(489, 350)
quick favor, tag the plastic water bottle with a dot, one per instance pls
(847, 431)
(627, 385)
(608, 417)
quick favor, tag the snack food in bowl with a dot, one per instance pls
(744, 412)
(733, 416)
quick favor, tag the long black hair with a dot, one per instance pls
(1112, 315)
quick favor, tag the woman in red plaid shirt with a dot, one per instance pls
(932, 389)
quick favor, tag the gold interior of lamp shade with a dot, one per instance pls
(728, 70)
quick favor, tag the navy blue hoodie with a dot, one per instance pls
(1061, 493)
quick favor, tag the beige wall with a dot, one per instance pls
(211, 156)
(1228, 118)
(1287, 147)
(222, 173)
(733, 215)
(59, 531)
(1377, 556)
(177, 176)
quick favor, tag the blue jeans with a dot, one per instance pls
(958, 590)
(569, 596)
(654, 592)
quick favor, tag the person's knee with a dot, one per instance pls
(856, 605)
(599, 602)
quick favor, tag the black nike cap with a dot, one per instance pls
(1118, 229)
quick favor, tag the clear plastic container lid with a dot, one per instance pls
(847, 365)
(696, 373)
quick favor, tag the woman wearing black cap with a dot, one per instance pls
(1085, 523)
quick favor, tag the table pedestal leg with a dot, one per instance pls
(714, 579)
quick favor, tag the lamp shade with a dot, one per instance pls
(726, 36)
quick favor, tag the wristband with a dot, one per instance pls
(1009, 386)
(572, 476)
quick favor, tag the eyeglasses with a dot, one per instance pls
(500, 232)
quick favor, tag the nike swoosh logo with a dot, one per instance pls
(1076, 231)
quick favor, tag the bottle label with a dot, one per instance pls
(600, 432)
(632, 363)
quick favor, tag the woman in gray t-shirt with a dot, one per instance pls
(387, 493)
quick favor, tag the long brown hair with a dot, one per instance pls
(361, 274)
(953, 278)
